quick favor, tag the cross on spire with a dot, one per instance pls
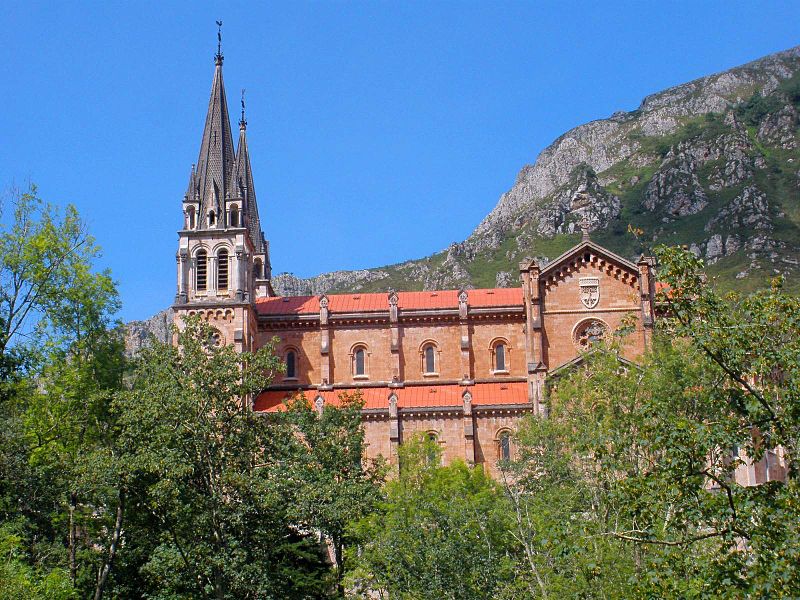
(242, 121)
(219, 57)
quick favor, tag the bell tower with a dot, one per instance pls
(223, 258)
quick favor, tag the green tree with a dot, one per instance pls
(650, 452)
(558, 520)
(45, 256)
(442, 532)
(337, 484)
(59, 362)
(19, 580)
(212, 474)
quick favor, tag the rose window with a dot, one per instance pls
(589, 333)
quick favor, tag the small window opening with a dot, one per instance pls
(433, 449)
(500, 357)
(202, 270)
(211, 218)
(257, 268)
(291, 364)
(505, 446)
(234, 216)
(359, 358)
(191, 217)
(430, 359)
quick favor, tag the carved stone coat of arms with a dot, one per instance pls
(590, 291)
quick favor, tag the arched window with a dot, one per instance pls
(201, 271)
(211, 218)
(504, 445)
(430, 359)
(433, 454)
(257, 268)
(291, 365)
(360, 361)
(222, 269)
(500, 357)
(190, 213)
(234, 216)
(590, 333)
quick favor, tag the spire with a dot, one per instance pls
(214, 172)
(245, 188)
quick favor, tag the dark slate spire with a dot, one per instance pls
(214, 173)
(245, 188)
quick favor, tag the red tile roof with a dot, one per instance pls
(417, 396)
(350, 303)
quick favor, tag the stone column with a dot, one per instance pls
(469, 429)
(239, 273)
(182, 258)
(647, 293)
(211, 276)
(465, 338)
(394, 432)
(324, 345)
(394, 327)
(534, 335)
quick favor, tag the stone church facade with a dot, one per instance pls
(459, 366)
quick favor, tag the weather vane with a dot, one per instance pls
(242, 122)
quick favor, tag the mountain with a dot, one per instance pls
(713, 164)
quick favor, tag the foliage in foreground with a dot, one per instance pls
(210, 472)
(336, 483)
(627, 489)
(442, 532)
(163, 484)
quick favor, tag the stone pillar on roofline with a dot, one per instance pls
(326, 376)
(536, 369)
(465, 338)
(469, 429)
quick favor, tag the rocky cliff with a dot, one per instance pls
(713, 164)
(140, 333)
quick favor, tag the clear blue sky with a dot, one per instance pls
(379, 131)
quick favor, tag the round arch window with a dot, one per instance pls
(360, 361)
(589, 333)
(291, 364)
(504, 445)
(429, 359)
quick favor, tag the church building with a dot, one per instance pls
(459, 366)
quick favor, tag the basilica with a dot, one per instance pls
(460, 367)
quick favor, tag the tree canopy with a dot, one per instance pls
(154, 478)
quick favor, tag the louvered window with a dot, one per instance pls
(222, 269)
(201, 270)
